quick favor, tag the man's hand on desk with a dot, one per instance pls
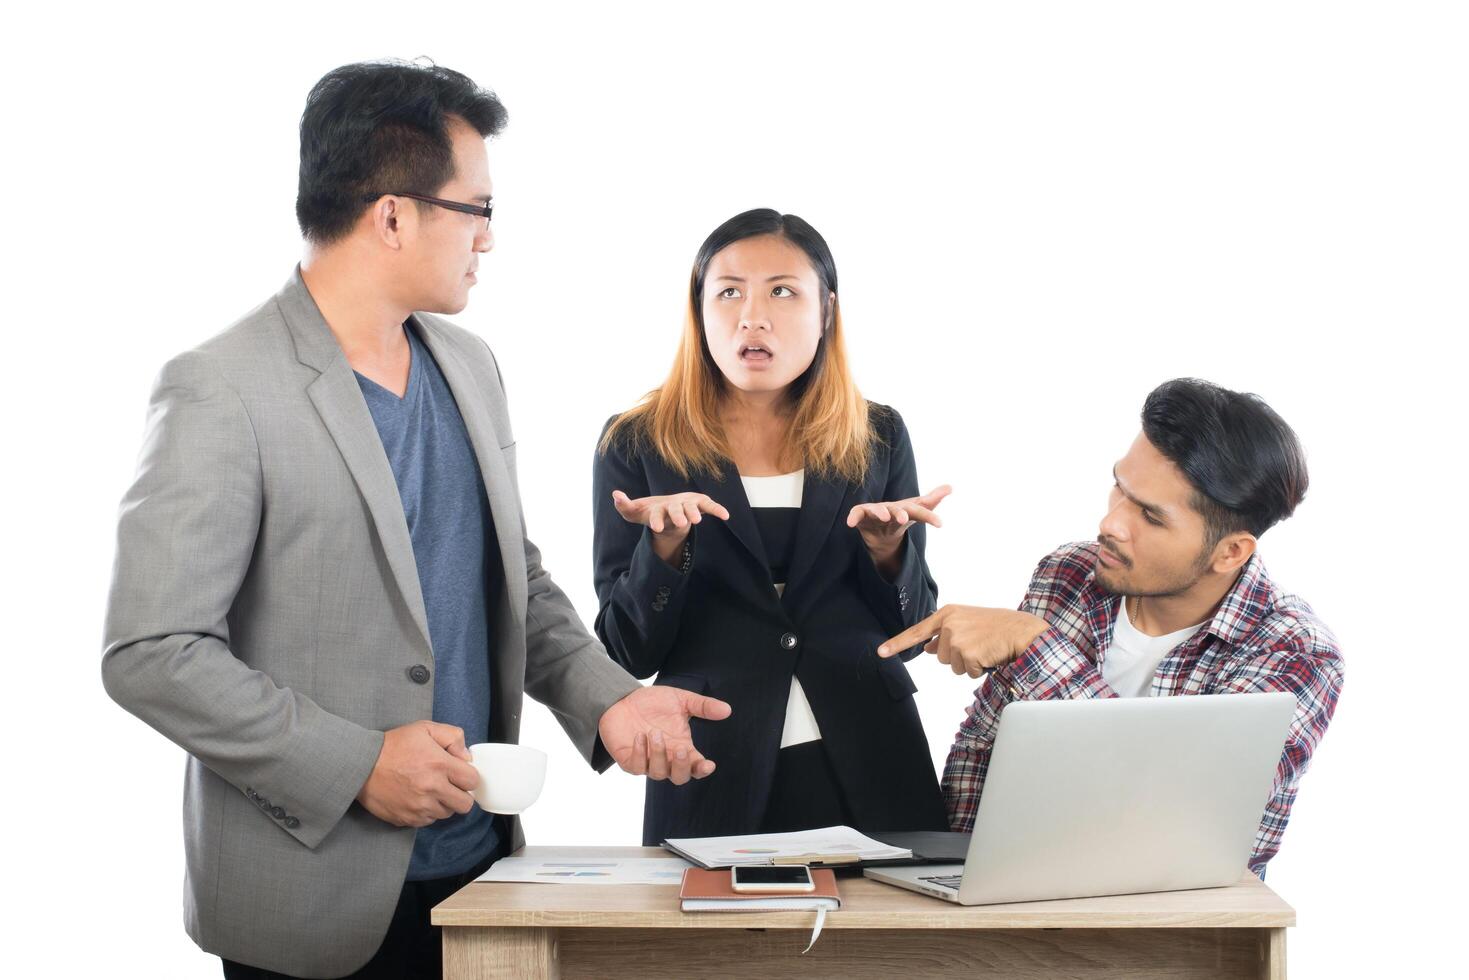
(422, 775)
(970, 639)
(647, 733)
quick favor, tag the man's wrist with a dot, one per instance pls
(1028, 628)
(361, 796)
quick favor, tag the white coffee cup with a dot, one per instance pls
(510, 776)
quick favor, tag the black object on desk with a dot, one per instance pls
(928, 846)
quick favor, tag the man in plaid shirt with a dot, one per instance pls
(1171, 598)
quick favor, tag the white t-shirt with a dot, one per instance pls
(1128, 665)
(786, 491)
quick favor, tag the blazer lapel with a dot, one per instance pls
(821, 501)
(730, 492)
(343, 411)
(504, 506)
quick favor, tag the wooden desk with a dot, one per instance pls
(541, 931)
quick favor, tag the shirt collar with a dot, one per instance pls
(1245, 605)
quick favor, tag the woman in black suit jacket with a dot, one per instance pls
(776, 608)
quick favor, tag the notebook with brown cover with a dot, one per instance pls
(711, 891)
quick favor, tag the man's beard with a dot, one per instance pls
(1174, 586)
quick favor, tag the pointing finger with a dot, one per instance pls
(913, 635)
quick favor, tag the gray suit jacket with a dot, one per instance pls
(265, 614)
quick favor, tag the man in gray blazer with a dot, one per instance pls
(323, 586)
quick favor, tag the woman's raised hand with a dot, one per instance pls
(883, 524)
(668, 517)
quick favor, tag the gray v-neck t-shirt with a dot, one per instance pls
(459, 573)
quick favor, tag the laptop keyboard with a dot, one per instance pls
(944, 881)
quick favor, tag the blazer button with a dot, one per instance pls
(277, 812)
(418, 674)
(788, 641)
(292, 823)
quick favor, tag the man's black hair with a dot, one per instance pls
(1246, 465)
(381, 127)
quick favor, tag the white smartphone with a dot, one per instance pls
(771, 878)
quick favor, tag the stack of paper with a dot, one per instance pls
(829, 845)
(575, 867)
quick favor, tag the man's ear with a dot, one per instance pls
(1232, 551)
(386, 216)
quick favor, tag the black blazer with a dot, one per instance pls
(722, 630)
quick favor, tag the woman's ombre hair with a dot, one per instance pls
(830, 431)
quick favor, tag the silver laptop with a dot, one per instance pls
(1115, 796)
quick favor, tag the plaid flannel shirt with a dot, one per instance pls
(1259, 640)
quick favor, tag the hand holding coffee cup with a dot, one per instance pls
(422, 775)
(510, 776)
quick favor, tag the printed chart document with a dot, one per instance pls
(829, 845)
(575, 867)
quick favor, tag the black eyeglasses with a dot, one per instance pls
(483, 210)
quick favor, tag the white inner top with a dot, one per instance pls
(775, 491)
(786, 491)
(1128, 665)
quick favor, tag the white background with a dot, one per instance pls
(1039, 212)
